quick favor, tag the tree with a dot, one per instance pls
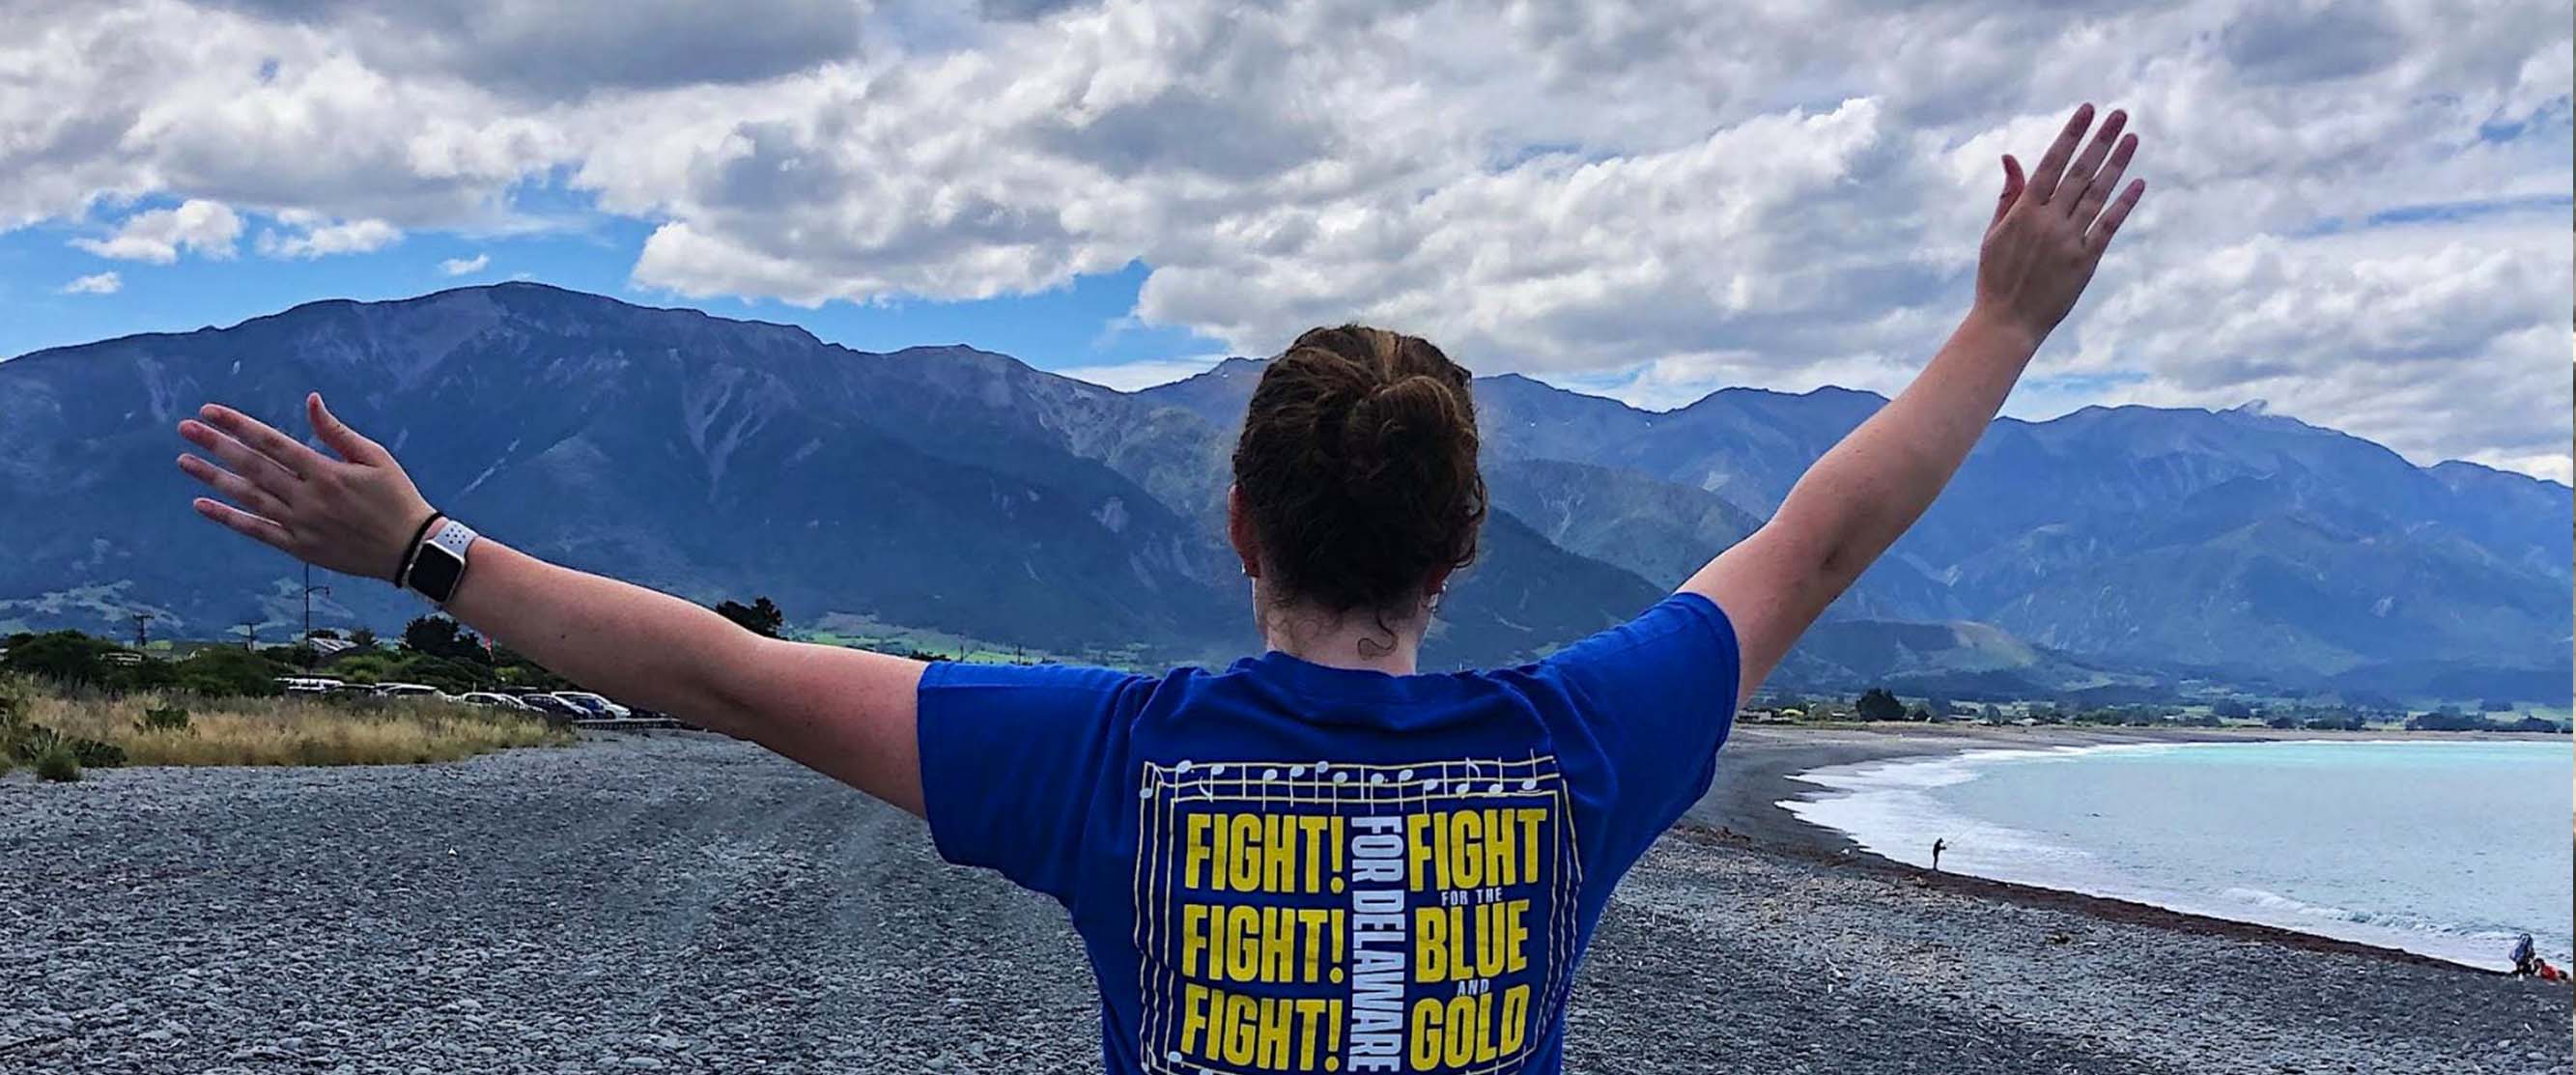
(1876, 704)
(761, 617)
(438, 636)
(363, 638)
(68, 656)
(433, 634)
(1992, 715)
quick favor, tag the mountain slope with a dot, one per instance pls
(2236, 543)
(956, 490)
(935, 488)
(701, 456)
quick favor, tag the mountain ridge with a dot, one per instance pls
(891, 486)
(2255, 408)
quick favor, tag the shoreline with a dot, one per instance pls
(1757, 770)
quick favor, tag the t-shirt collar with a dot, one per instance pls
(1310, 678)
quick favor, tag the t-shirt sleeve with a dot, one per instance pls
(1658, 693)
(1012, 762)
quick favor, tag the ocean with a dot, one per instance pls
(2444, 848)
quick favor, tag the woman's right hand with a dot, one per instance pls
(2049, 231)
(354, 515)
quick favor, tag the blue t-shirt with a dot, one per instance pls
(1287, 867)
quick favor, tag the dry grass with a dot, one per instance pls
(292, 731)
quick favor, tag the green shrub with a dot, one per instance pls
(447, 674)
(63, 656)
(94, 754)
(227, 671)
(170, 718)
(30, 741)
(58, 765)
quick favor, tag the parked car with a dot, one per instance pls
(409, 690)
(552, 706)
(594, 705)
(308, 684)
(491, 700)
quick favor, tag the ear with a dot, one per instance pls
(1238, 530)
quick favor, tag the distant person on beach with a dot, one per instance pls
(2528, 964)
(1318, 858)
(1937, 845)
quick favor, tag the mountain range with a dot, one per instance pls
(965, 494)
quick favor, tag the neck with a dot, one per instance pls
(1352, 640)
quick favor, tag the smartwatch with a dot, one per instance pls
(438, 564)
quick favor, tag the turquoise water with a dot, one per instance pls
(2443, 848)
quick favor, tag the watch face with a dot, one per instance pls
(436, 572)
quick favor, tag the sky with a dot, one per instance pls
(2359, 211)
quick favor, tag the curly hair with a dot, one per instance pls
(1357, 467)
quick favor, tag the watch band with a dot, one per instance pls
(411, 549)
(453, 536)
(438, 563)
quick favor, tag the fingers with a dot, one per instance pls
(2043, 183)
(337, 435)
(288, 452)
(2099, 188)
(2013, 184)
(2079, 176)
(244, 523)
(2103, 229)
(233, 486)
(262, 471)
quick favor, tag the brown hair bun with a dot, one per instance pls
(1357, 465)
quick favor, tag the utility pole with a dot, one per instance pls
(250, 635)
(309, 591)
(142, 629)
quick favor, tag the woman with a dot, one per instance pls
(1318, 859)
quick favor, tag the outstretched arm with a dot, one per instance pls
(2047, 235)
(846, 713)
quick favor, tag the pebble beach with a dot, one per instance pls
(685, 902)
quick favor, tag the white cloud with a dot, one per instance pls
(1654, 197)
(2448, 343)
(105, 283)
(158, 235)
(462, 266)
(1143, 373)
(316, 238)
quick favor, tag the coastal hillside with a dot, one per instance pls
(967, 495)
